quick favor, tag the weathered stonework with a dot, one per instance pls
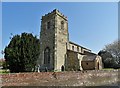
(56, 50)
(55, 38)
(91, 78)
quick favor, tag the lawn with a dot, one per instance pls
(4, 71)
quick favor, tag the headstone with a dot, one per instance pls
(46, 70)
(38, 68)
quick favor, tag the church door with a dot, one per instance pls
(97, 65)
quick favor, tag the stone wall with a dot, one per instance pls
(47, 40)
(55, 38)
(88, 65)
(77, 48)
(72, 61)
(61, 41)
(80, 78)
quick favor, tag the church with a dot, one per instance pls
(57, 53)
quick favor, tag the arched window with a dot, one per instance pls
(62, 24)
(72, 47)
(48, 25)
(47, 55)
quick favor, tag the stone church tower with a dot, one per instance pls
(53, 41)
(57, 53)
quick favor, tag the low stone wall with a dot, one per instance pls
(80, 78)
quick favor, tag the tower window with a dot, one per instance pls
(47, 56)
(62, 24)
(78, 49)
(48, 25)
(86, 63)
(72, 47)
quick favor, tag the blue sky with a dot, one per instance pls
(90, 24)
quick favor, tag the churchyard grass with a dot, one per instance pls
(108, 68)
(4, 71)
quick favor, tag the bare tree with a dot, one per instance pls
(114, 49)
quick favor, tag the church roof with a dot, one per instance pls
(89, 53)
(75, 52)
(89, 58)
(78, 45)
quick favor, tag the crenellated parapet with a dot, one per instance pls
(57, 12)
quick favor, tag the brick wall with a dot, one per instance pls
(80, 78)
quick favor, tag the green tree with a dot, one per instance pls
(22, 52)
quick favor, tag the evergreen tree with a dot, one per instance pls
(22, 52)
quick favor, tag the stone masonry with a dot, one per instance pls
(55, 45)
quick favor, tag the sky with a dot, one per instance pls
(90, 24)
